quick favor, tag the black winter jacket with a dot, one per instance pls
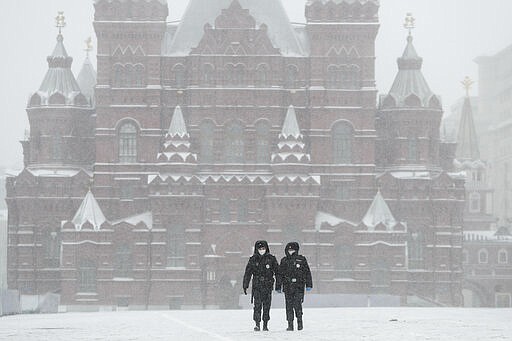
(294, 272)
(262, 269)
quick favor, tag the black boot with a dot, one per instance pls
(257, 327)
(265, 326)
(290, 326)
(299, 324)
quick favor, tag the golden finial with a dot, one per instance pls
(467, 83)
(410, 22)
(60, 21)
(88, 45)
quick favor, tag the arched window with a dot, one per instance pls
(261, 78)
(234, 143)
(139, 79)
(292, 74)
(208, 74)
(342, 137)
(239, 75)
(179, 76)
(483, 256)
(52, 249)
(333, 77)
(123, 261)
(503, 257)
(176, 245)
(118, 76)
(262, 142)
(207, 131)
(129, 71)
(474, 202)
(87, 276)
(415, 249)
(350, 77)
(128, 143)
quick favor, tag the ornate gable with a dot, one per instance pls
(235, 33)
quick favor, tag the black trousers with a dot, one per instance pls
(262, 300)
(293, 297)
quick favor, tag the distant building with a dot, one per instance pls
(148, 186)
(3, 237)
(450, 125)
(495, 93)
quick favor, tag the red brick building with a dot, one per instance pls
(231, 126)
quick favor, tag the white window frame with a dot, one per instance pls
(480, 253)
(500, 252)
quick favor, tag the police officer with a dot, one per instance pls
(293, 276)
(262, 267)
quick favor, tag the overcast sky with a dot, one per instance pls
(449, 35)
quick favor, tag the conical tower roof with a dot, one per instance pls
(89, 212)
(290, 125)
(467, 140)
(87, 79)
(59, 77)
(178, 127)
(410, 89)
(379, 214)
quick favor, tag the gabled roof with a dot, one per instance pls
(89, 212)
(268, 12)
(467, 140)
(410, 89)
(379, 213)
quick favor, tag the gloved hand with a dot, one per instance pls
(309, 289)
(245, 291)
(278, 291)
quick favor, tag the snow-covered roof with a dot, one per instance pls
(59, 78)
(87, 79)
(178, 127)
(290, 125)
(89, 212)
(53, 172)
(145, 218)
(322, 217)
(268, 12)
(486, 235)
(410, 89)
(379, 213)
(467, 140)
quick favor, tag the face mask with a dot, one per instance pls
(291, 252)
(262, 251)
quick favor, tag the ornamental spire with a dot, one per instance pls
(60, 21)
(410, 23)
(467, 83)
(88, 46)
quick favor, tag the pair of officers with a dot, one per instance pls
(292, 276)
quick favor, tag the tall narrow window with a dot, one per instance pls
(179, 76)
(128, 143)
(118, 76)
(87, 276)
(225, 210)
(243, 210)
(483, 256)
(234, 143)
(206, 142)
(292, 74)
(239, 75)
(262, 142)
(208, 75)
(333, 77)
(261, 78)
(342, 137)
(412, 150)
(415, 249)
(176, 245)
(503, 257)
(474, 202)
(57, 148)
(139, 79)
(52, 249)
(350, 77)
(123, 262)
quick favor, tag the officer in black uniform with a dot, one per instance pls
(262, 267)
(293, 276)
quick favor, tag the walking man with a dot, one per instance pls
(293, 276)
(262, 267)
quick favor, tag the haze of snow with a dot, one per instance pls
(338, 324)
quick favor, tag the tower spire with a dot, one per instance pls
(60, 21)
(467, 83)
(88, 46)
(467, 139)
(410, 23)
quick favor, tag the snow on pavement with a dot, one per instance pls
(232, 325)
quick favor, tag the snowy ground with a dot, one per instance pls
(352, 324)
